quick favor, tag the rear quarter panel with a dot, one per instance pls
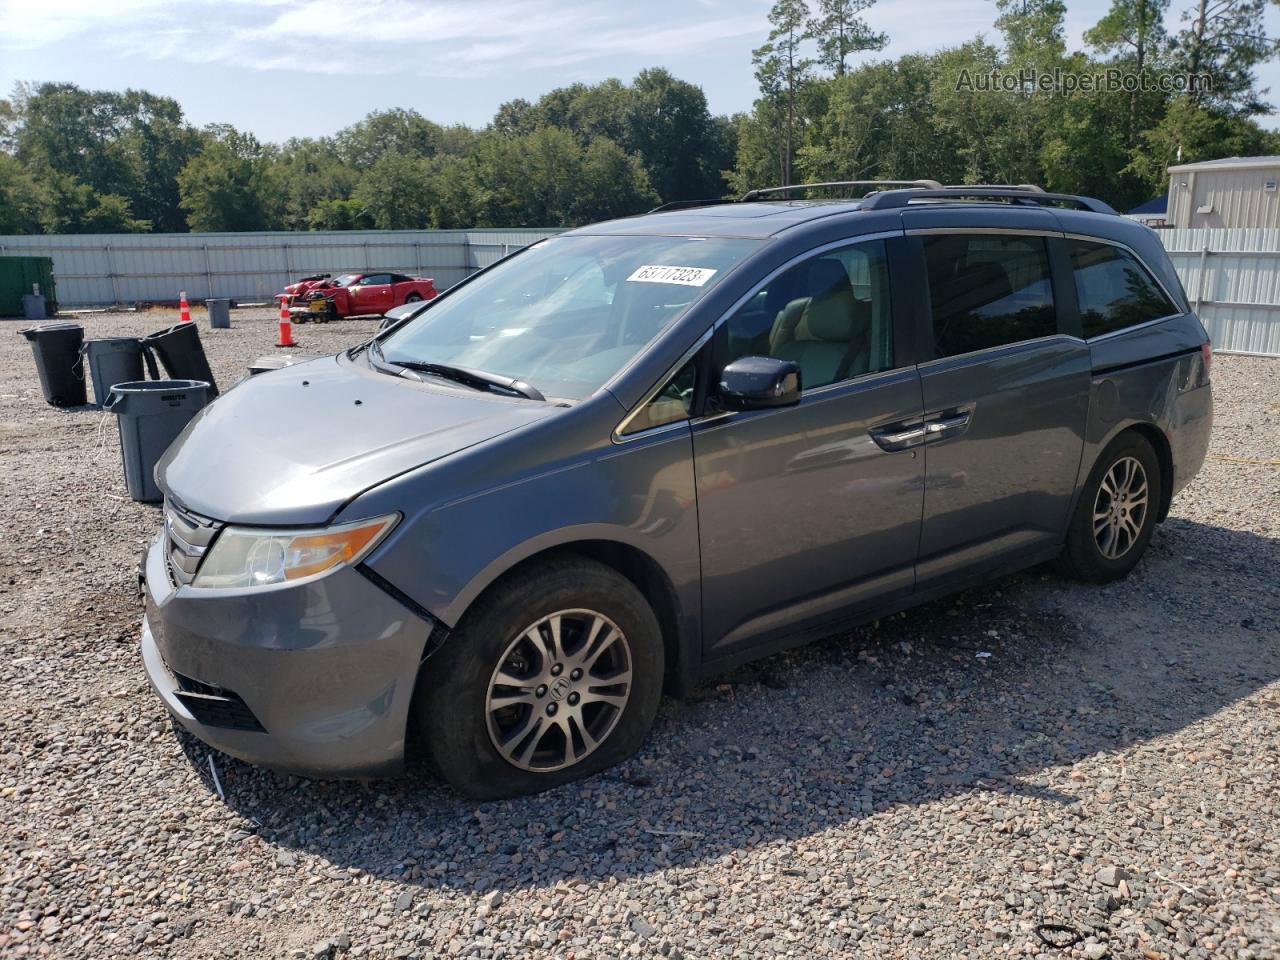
(1152, 374)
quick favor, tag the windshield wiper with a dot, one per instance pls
(479, 379)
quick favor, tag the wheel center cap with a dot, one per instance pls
(559, 688)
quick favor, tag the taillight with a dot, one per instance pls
(1206, 353)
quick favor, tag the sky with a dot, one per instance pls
(282, 68)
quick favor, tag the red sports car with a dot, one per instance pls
(359, 294)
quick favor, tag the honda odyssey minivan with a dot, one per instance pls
(636, 454)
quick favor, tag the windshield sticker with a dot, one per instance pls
(660, 273)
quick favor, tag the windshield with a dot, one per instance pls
(344, 279)
(567, 314)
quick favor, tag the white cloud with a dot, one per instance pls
(374, 37)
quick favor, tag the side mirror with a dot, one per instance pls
(756, 383)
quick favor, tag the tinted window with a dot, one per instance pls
(987, 291)
(672, 403)
(829, 314)
(1115, 291)
(375, 278)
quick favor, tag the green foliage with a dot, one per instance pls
(839, 31)
(20, 199)
(231, 184)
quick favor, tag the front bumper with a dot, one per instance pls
(315, 679)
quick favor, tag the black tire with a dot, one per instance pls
(413, 298)
(454, 684)
(1082, 556)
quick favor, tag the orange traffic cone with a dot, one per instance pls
(286, 326)
(184, 308)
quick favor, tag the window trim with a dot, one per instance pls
(619, 436)
(1151, 275)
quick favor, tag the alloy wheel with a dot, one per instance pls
(559, 690)
(1120, 508)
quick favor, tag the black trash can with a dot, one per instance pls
(57, 351)
(151, 414)
(183, 357)
(112, 360)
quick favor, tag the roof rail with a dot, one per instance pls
(753, 194)
(890, 199)
(1030, 187)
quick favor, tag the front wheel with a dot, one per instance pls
(1116, 513)
(555, 675)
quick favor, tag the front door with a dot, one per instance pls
(807, 510)
(371, 294)
(1006, 399)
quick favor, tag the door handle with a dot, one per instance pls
(898, 437)
(942, 427)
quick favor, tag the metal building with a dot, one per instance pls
(1232, 192)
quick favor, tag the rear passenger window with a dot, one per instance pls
(987, 291)
(1114, 289)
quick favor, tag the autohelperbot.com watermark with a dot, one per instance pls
(1028, 80)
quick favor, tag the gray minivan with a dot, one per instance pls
(636, 454)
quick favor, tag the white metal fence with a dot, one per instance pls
(93, 269)
(1232, 276)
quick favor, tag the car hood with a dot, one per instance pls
(292, 446)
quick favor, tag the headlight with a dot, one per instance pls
(249, 557)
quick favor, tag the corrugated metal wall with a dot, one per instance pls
(96, 269)
(1232, 278)
(1237, 198)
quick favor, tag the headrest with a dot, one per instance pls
(830, 314)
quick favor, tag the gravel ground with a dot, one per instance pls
(937, 785)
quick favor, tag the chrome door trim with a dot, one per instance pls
(1012, 231)
(619, 431)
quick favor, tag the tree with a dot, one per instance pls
(129, 144)
(387, 131)
(840, 31)
(396, 192)
(230, 185)
(782, 69)
(20, 200)
(1226, 39)
(1033, 30)
(1133, 30)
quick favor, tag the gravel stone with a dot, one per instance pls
(884, 792)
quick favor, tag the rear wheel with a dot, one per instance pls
(1116, 513)
(413, 298)
(555, 675)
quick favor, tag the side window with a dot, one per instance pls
(988, 290)
(375, 279)
(1115, 290)
(829, 314)
(672, 403)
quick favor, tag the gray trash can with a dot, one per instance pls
(33, 306)
(112, 360)
(219, 314)
(151, 414)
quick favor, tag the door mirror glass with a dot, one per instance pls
(755, 383)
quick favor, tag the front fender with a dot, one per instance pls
(444, 554)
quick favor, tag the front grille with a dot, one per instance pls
(215, 706)
(187, 537)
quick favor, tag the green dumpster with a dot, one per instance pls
(18, 275)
